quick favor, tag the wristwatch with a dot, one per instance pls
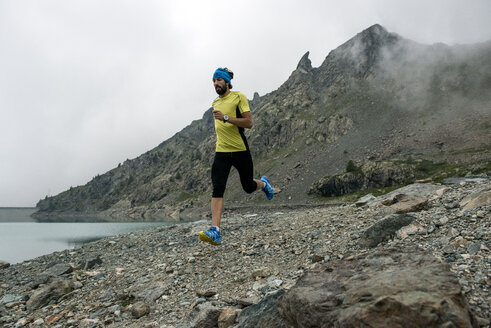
(225, 118)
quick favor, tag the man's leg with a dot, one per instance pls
(219, 175)
(243, 163)
(216, 210)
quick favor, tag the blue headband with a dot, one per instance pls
(223, 74)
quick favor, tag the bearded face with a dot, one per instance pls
(221, 86)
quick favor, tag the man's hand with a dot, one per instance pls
(218, 115)
(244, 122)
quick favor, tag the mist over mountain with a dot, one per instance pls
(378, 98)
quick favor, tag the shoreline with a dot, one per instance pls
(192, 214)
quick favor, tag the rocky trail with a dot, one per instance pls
(424, 243)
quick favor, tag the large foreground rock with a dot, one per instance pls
(386, 289)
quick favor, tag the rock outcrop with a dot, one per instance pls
(384, 289)
(370, 175)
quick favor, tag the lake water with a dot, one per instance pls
(22, 238)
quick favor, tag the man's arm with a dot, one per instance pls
(244, 122)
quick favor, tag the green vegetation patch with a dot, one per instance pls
(184, 196)
(442, 170)
(351, 167)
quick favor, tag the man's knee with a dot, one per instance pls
(218, 192)
(250, 188)
(219, 186)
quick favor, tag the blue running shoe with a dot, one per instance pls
(268, 190)
(212, 236)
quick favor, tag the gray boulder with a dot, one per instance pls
(403, 203)
(423, 190)
(58, 270)
(4, 264)
(41, 279)
(364, 200)
(411, 198)
(476, 199)
(9, 298)
(45, 295)
(148, 292)
(384, 229)
(386, 289)
(227, 317)
(263, 314)
(202, 316)
(91, 262)
(140, 309)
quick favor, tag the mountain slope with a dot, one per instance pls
(376, 97)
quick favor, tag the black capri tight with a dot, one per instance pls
(220, 170)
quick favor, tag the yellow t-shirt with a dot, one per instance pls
(231, 138)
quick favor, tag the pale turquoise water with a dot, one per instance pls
(21, 238)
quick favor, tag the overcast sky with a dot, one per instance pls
(85, 85)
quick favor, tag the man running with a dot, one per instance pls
(232, 115)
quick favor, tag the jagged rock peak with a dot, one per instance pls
(376, 29)
(376, 35)
(305, 65)
(363, 50)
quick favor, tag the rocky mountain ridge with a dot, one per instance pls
(378, 97)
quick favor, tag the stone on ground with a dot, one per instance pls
(58, 270)
(403, 203)
(386, 289)
(44, 295)
(263, 314)
(202, 316)
(227, 317)
(139, 309)
(476, 199)
(384, 229)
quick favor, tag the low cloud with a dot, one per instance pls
(86, 85)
